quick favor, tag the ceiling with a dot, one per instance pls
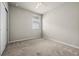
(43, 8)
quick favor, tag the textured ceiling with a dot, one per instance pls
(43, 8)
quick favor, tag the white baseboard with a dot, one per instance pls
(74, 46)
(22, 40)
(17, 40)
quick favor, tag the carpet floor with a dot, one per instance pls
(39, 47)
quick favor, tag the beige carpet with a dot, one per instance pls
(39, 47)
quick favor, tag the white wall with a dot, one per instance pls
(3, 27)
(0, 28)
(21, 24)
(62, 24)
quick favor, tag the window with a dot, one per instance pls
(35, 22)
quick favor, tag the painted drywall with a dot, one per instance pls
(62, 24)
(3, 28)
(0, 28)
(20, 21)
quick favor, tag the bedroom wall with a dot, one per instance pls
(62, 24)
(3, 26)
(0, 28)
(21, 24)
